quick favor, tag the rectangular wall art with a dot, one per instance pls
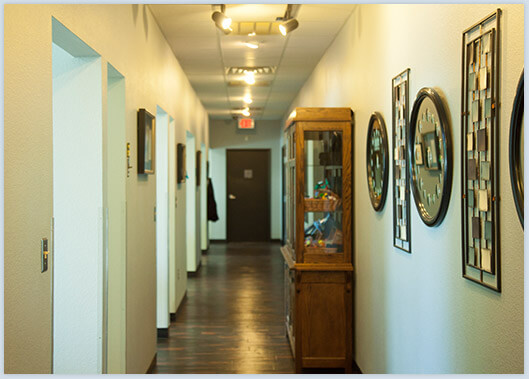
(479, 152)
(181, 163)
(401, 180)
(146, 142)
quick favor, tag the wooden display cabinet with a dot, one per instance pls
(318, 249)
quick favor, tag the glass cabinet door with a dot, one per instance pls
(290, 170)
(323, 231)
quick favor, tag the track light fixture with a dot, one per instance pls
(221, 20)
(289, 22)
(287, 26)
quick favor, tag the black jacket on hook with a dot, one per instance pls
(212, 205)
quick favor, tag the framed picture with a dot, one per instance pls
(146, 142)
(199, 171)
(480, 153)
(401, 177)
(180, 163)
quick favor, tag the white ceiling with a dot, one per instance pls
(204, 52)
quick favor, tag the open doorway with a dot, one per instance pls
(116, 225)
(78, 208)
(162, 222)
(203, 199)
(192, 232)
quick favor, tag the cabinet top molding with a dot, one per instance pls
(319, 114)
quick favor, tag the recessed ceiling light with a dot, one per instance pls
(252, 45)
(247, 99)
(251, 34)
(288, 26)
(249, 77)
(246, 112)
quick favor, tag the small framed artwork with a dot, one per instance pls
(199, 171)
(180, 163)
(146, 142)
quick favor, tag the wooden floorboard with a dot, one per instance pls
(232, 321)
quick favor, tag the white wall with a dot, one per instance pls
(78, 214)
(414, 313)
(223, 136)
(128, 37)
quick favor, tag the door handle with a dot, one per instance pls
(231, 197)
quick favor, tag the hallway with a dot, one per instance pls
(231, 321)
(383, 144)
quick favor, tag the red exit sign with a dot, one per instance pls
(246, 123)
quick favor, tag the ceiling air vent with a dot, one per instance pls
(260, 28)
(240, 83)
(263, 70)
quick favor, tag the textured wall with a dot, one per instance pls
(415, 313)
(27, 306)
(128, 37)
(224, 135)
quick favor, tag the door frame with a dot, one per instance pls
(268, 191)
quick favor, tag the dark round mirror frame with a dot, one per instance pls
(378, 205)
(431, 220)
(514, 148)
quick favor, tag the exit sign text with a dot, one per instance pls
(246, 123)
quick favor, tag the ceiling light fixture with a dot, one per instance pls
(249, 77)
(289, 22)
(247, 99)
(252, 34)
(221, 20)
(252, 45)
(246, 112)
(288, 26)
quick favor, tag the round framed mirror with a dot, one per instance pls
(430, 152)
(377, 161)
(516, 149)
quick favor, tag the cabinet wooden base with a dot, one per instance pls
(323, 314)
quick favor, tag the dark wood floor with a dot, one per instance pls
(232, 320)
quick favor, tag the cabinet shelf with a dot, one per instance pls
(324, 166)
(321, 205)
(322, 250)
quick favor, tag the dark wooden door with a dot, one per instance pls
(248, 189)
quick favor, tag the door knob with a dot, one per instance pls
(231, 197)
